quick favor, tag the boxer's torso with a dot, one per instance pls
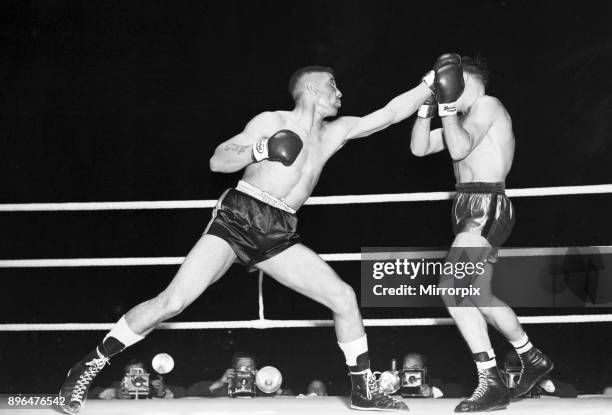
(295, 183)
(492, 158)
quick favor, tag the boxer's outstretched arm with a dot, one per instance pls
(463, 137)
(423, 141)
(398, 109)
(236, 153)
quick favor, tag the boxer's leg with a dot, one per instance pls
(470, 321)
(302, 270)
(207, 262)
(535, 365)
(491, 392)
(495, 311)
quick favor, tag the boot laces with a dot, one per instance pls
(82, 385)
(522, 368)
(372, 384)
(482, 386)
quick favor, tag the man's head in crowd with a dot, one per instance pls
(414, 361)
(243, 361)
(316, 387)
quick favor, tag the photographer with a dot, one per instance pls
(237, 381)
(414, 378)
(136, 384)
(244, 362)
(415, 381)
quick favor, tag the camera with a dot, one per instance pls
(136, 382)
(411, 382)
(513, 375)
(242, 384)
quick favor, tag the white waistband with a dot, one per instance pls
(262, 196)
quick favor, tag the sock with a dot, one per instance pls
(120, 337)
(356, 354)
(522, 345)
(485, 360)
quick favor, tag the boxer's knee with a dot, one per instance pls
(342, 300)
(170, 304)
(488, 312)
(457, 312)
(491, 305)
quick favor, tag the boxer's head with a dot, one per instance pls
(475, 68)
(476, 77)
(316, 85)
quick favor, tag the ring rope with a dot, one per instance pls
(268, 324)
(315, 200)
(260, 299)
(146, 261)
(263, 323)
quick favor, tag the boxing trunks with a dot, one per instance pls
(483, 208)
(256, 224)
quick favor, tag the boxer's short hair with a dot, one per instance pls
(297, 75)
(476, 66)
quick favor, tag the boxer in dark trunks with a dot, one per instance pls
(483, 208)
(283, 154)
(477, 132)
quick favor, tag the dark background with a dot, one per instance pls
(105, 101)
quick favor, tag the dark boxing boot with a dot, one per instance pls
(366, 396)
(490, 394)
(535, 366)
(73, 393)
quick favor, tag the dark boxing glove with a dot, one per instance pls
(449, 83)
(430, 77)
(283, 146)
(446, 59)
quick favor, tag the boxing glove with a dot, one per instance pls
(283, 146)
(430, 77)
(446, 59)
(449, 83)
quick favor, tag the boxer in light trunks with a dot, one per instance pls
(477, 132)
(283, 154)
